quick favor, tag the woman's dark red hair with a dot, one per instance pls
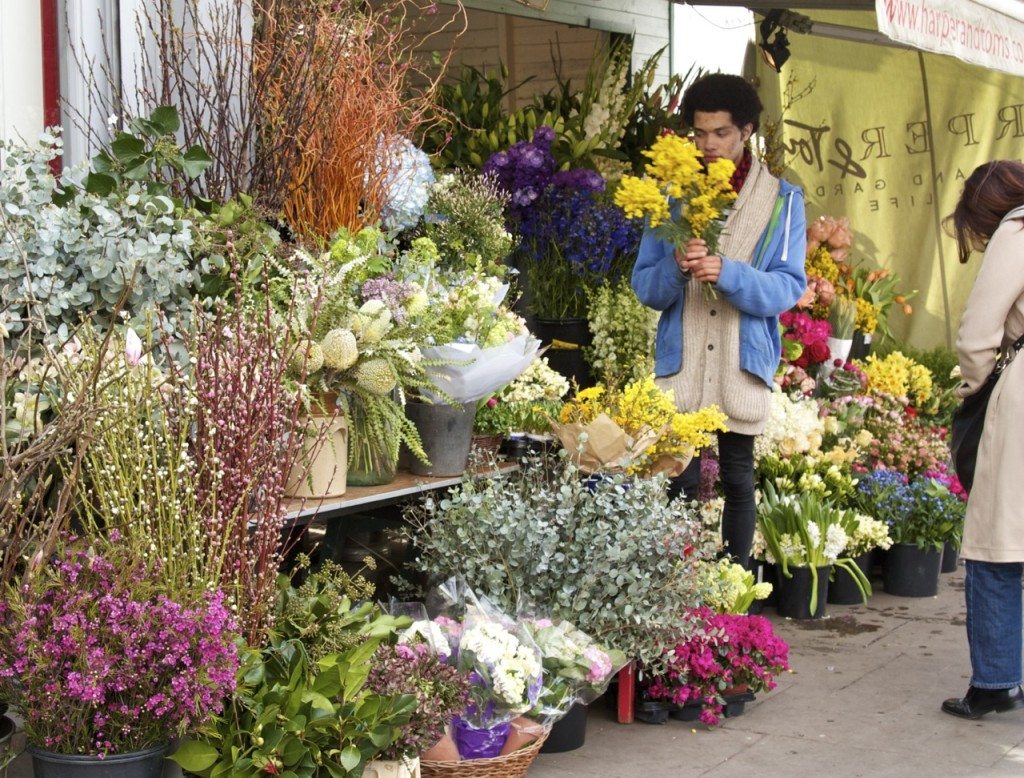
(990, 192)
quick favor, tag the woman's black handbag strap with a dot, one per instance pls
(1007, 357)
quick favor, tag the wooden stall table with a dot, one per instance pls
(367, 509)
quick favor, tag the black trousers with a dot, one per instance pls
(736, 460)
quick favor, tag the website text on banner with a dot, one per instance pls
(963, 29)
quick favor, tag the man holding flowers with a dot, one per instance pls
(724, 347)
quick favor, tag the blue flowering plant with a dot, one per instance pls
(923, 512)
(573, 239)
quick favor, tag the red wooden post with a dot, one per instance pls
(627, 693)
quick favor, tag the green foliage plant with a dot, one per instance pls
(298, 710)
(612, 555)
(656, 113)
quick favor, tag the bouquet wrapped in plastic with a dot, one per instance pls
(506, 673)
(577, 669)
(499, 656)
(479, 344)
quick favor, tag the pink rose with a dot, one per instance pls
(821, 229)
(842, 236)
(826, 291)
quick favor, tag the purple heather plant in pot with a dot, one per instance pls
(99, 661)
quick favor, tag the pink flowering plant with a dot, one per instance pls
(901, 441)
(724, 652)
(809, 334)
(99, 660)
(576, 667)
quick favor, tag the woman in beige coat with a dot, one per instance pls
(990, 216)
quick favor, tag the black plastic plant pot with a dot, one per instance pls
(136, 764)
(843, 589)
(568, 733)
(950, 558)
(652, 711)
(688, 712)
(795, 593)
(911, 571)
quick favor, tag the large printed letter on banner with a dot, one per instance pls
(867, 144)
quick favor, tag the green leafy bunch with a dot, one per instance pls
(301, 712)
(589, 121)
(656, 112)
(148, 153)
(800, 473)
(466, 221)
(623, 347)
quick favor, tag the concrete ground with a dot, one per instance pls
(862, 700)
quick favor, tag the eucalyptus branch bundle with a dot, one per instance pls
(610, 554)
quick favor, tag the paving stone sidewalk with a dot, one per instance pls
(862, 700)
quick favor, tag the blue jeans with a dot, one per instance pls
(993, 594)
(736, 460)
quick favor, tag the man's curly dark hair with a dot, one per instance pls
(723, 92)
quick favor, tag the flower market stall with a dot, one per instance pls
(210, 375)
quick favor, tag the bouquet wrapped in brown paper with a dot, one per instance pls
(636, 430)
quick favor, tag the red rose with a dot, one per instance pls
(817, 352)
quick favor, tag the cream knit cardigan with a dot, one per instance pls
(711, 371)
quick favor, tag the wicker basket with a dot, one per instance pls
(512, 765)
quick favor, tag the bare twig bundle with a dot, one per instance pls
(290, 99)
(378, 90)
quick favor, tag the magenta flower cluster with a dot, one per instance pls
(99, 660)
(812, 334)
(725, 651)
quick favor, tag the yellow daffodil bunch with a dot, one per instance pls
(899, 376)
(641, 408)
(676, 174)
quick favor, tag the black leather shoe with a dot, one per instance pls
(977, 702)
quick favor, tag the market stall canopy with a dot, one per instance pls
(989, 33)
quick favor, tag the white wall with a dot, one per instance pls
(711, 37)
(21, 70)
(646, 20)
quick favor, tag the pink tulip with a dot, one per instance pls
(132, 347)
